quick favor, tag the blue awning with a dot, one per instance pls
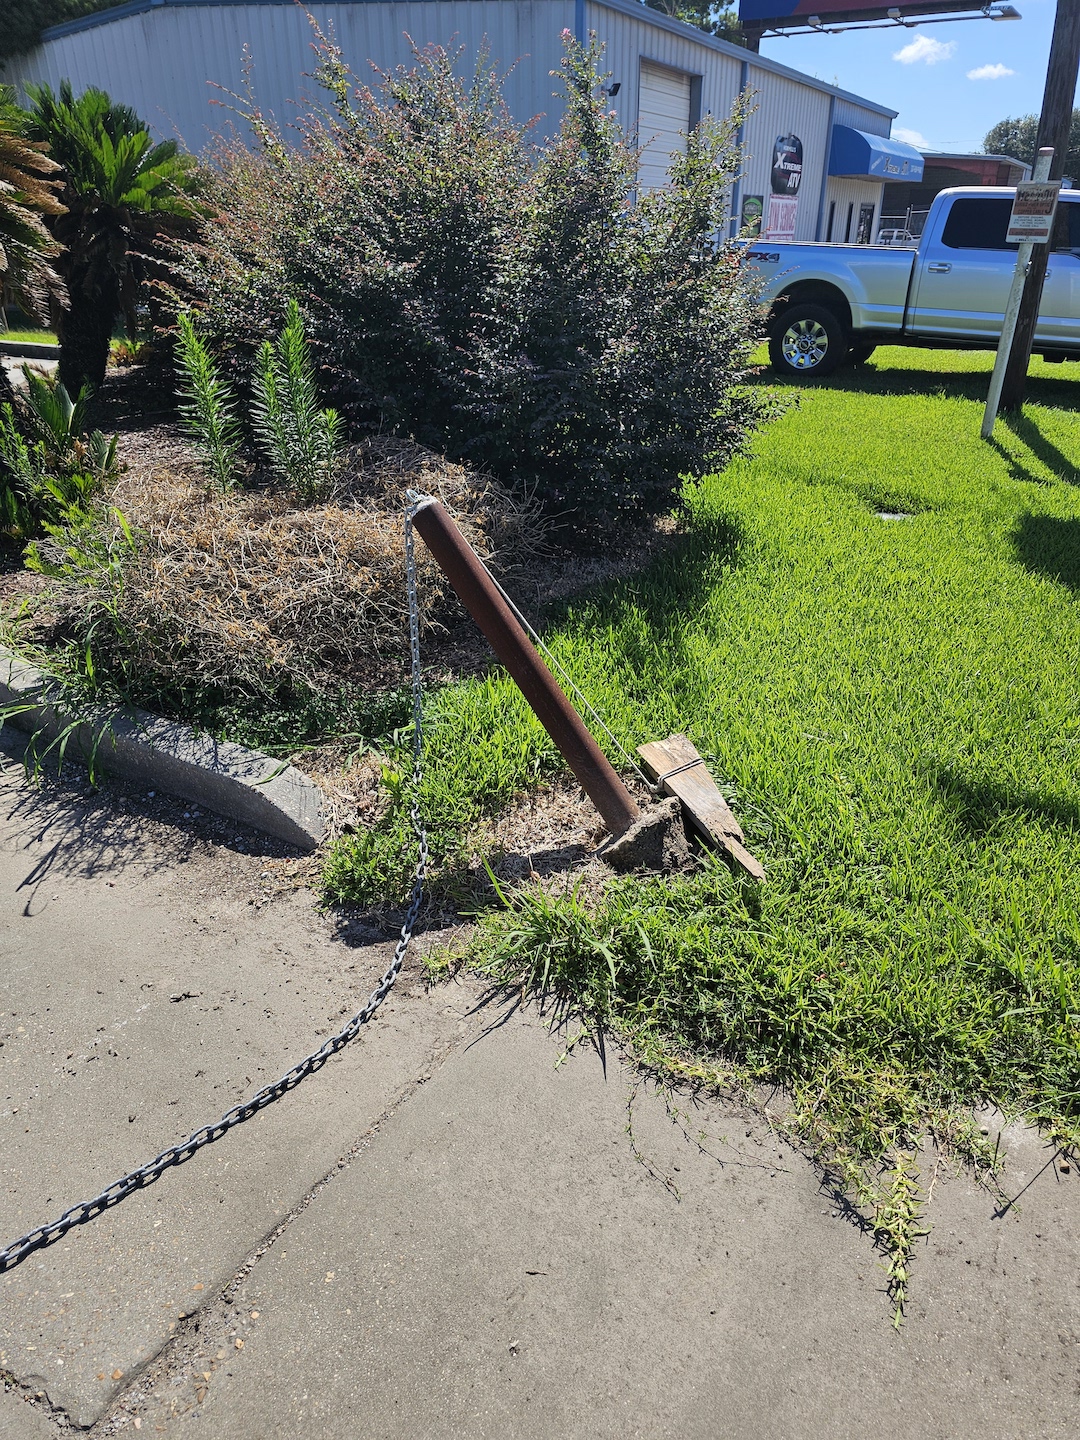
(856, 155)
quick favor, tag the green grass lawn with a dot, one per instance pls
(893, 707)
(47, 337)
(36, 337)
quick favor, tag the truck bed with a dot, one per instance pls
(875, 277)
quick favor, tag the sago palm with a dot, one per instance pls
(125, 196)
(27, 195)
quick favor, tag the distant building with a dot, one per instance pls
(906, 205)
(818, 160)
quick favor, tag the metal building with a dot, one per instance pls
(817, 158)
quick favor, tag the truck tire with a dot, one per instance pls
(806, 341)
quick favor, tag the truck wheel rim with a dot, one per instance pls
(805, 344)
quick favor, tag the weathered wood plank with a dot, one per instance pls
(705, 807)
(694, 786)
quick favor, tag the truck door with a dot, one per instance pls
(1059, 313)
(964, 270)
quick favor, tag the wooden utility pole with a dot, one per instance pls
(1026, 199)
(1054, 125)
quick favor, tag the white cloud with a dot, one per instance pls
(990, 72)
(910, 137)
(923, 48)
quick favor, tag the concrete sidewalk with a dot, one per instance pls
(444, 1232)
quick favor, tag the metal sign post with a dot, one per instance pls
(1032, 223)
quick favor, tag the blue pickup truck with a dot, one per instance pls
(828, 304)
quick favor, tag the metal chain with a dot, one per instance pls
(37, 1239)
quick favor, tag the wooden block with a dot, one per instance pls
(703, 805)
(694, 786)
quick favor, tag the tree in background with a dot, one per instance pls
(125, 198)
(27, 195)
(715, 20)
(1016, 137)
(24, 20)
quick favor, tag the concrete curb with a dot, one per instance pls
(28, 350)
(228, 779)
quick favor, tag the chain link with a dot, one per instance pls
(37, 1239)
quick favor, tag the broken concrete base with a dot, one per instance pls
(228, 779)
(655, 842)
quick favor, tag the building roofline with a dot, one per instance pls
(970, 155)
(725, 47)
(625, 7)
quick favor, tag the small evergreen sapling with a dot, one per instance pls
(207, 406)
(300, 440)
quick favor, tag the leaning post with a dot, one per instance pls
(1013, 305)
(480, 596)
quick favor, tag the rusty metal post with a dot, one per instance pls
(463, 568)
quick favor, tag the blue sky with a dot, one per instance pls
(948, 97)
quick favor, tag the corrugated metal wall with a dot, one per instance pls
(860, 118)
(629, 40)
(784, 106)
(787, 108)
(167, 62)
(175, 65)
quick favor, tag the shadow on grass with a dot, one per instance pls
(1049, 546)
(1028, 433)
(969, 384)
(980, 804)
(673, 586)
(1016, 467)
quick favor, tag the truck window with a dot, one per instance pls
(978, 224)
(1067, 226)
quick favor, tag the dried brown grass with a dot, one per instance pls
(248, 589)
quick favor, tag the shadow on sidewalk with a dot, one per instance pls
(92, 831)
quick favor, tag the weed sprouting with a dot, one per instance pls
(896, 1224)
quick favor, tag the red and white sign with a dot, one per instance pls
(780, 222)
(1033, 212)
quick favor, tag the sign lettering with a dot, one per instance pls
(1033, 211)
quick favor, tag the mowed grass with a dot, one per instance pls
(36, 337)
(893, 707)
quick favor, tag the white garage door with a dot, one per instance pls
(663, 121)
